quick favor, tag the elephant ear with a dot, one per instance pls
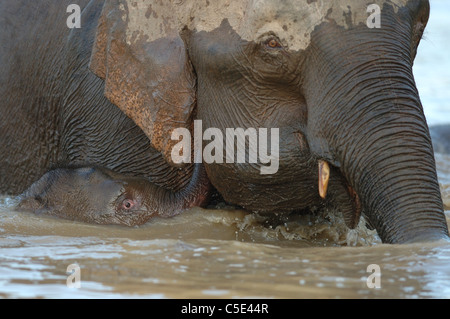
(151, 80)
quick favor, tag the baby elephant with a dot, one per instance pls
(97, 195)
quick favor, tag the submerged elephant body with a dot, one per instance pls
(352, 133)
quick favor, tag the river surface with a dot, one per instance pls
(227, 253)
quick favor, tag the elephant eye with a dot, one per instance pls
(128, 204)
(273, 43)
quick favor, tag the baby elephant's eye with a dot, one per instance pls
(128, 204)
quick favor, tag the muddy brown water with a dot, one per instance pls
(216, 253)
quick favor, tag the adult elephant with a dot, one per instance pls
(351, 126)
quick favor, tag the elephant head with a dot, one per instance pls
(352, 132)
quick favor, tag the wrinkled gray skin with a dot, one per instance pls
(339, 92)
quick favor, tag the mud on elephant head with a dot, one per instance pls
(342, 95)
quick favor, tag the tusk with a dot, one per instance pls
(324, 177)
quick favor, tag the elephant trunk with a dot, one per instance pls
(392, 169)
(196, 193)
(368, 122)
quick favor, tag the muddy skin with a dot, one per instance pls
(100, 196)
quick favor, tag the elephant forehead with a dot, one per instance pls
(292, 20)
